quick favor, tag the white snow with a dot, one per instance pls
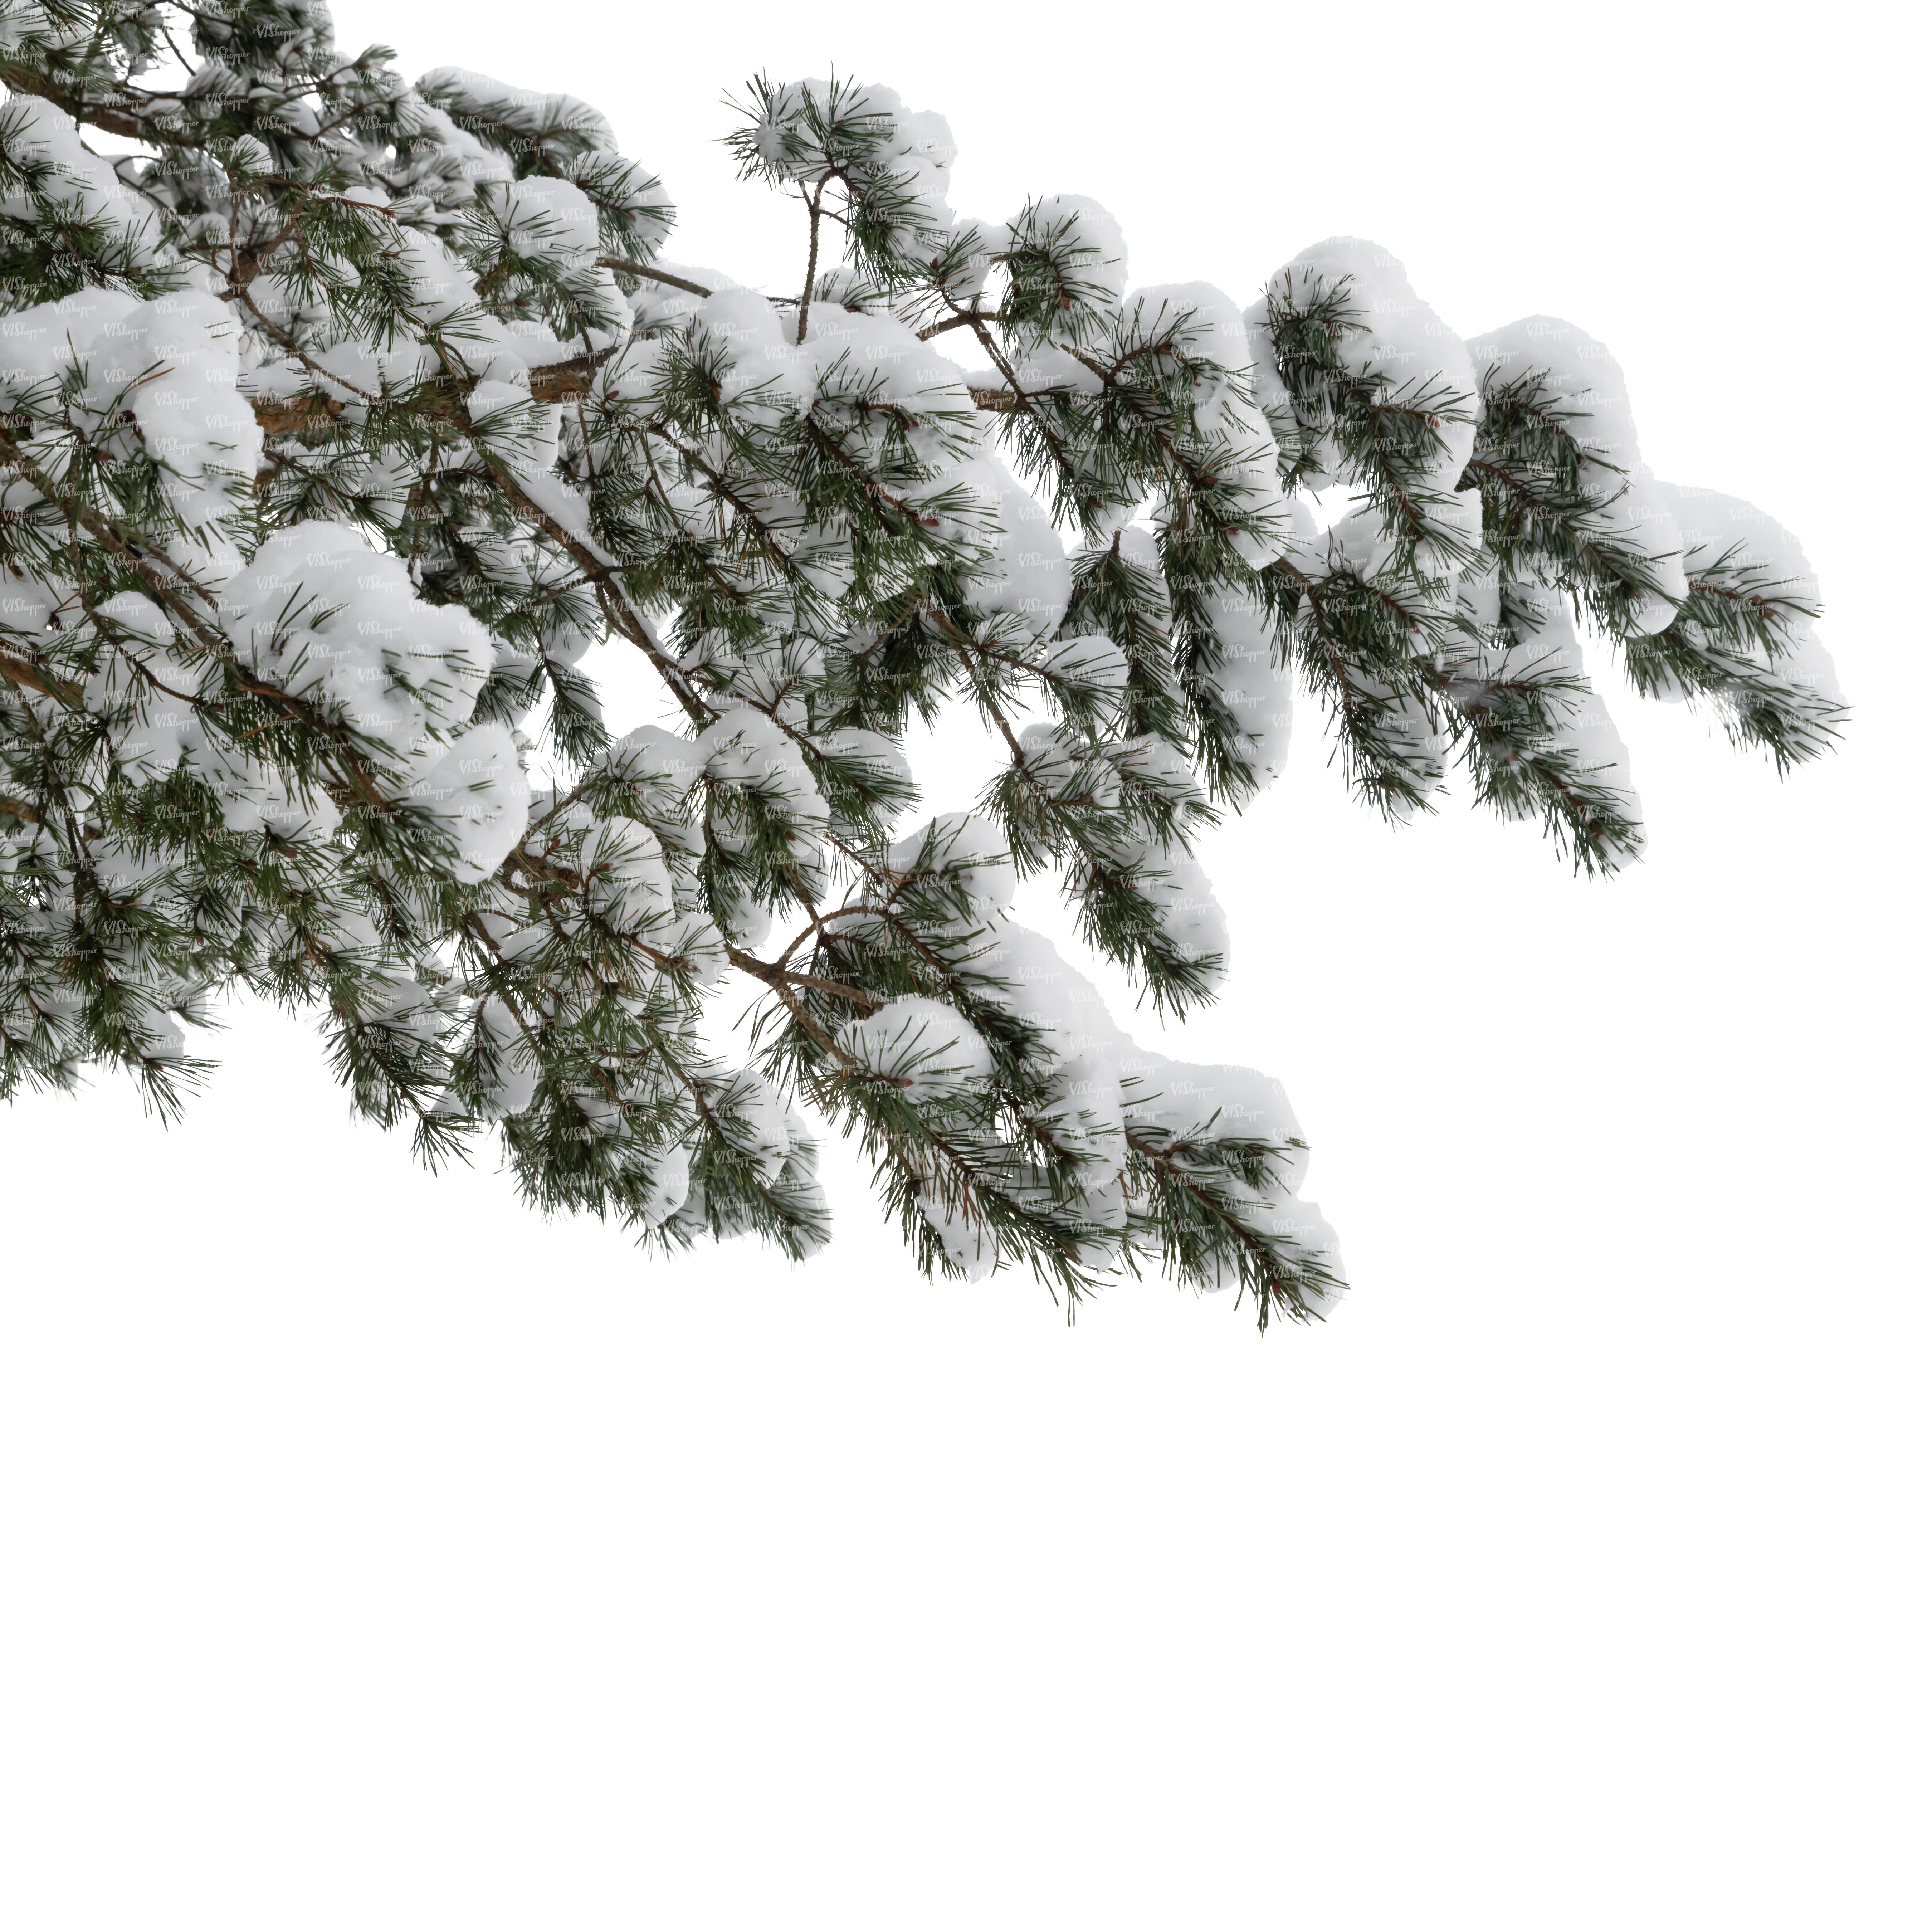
(921, 1046)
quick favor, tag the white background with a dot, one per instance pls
(379, 1556)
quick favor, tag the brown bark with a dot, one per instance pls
(554, 382)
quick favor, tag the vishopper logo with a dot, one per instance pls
(1082, 1092)
(1177, 902)
(1177, 1085)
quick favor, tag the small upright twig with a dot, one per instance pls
(811, 202)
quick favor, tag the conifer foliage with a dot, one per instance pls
(344, 416)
